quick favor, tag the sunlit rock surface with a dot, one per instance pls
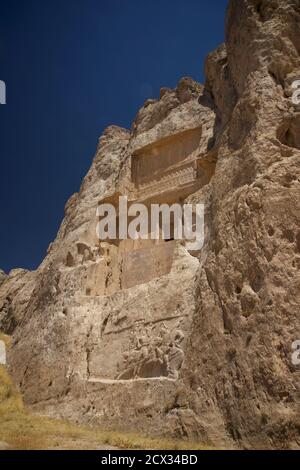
(147, 337)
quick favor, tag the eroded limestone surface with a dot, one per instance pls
(147, 337)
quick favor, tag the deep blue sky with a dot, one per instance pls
(73, 67)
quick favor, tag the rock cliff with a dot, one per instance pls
(155, 339)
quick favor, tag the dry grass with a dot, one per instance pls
(10, 399)
(22, 430)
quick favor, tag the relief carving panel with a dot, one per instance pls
(142, 351)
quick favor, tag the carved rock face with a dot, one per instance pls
(147, 338)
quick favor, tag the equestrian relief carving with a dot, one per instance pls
(153, 351)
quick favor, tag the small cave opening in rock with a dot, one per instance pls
(271, 231)
(265, 9)
(277, 72)
(258, 7)
(238, 290)
(289, 132)
(70, 260)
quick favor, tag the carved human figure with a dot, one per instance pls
(175, 355)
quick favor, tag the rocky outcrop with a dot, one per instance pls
(156, 339)
(2, 276)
